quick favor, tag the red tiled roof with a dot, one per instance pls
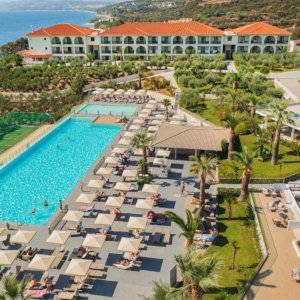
(260, 28)
(64, 29)
(162, 29)
(29, 54)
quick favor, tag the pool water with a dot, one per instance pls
(50, 169)
(105, 109)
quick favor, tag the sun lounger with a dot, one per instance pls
(36, 294)
(95, 273)
(67, 295)
(97, 266)
(124, 267)
(272, 206)
(156, 238)
(58, 258)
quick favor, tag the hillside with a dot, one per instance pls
(219, 13)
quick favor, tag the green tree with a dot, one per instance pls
(188, 227)
(202, 166)
(13, 289)
(141, 141)
(166, 103)
(235, 248)
(245, 158)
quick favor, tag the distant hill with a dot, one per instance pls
(219, 13)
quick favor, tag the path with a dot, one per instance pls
(23, 144)
(274, 280)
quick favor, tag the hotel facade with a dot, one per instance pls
(147, 39)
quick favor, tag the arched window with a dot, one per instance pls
(269, 49)
(141, 40)
(270, 40)
(255, 49)
(177, 50)
(67, 41)
(128, 50)
(78, 40)
(256, 39)
(190, 50)
(128, 40)
(141, 50)
(190, 40)
(56, 40)
(177, 40)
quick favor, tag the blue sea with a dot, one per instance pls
(16, 24)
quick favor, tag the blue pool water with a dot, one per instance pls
(50, 169)
(105, 109)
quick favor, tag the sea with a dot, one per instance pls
(16, 24)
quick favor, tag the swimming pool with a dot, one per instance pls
(105, 109)
(50, 169)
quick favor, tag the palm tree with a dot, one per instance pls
(230, 120)
(166, 103)
(141, 141)
(254, 100)
(202, 166)
(188, 226)
(229, 201)
(261, 142)
(12, 288)
(235, 248)
(199, 273)
(160, 290)
(245, 158)
(281, 116)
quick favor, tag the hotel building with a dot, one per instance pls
(146, 39)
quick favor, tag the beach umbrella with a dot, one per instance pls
(78, 267)
(158, 117)
(124, 142)
(138, 152)
(179, 117)
(138, 121)
(176, 122)
(151, 188)
(128, 134)
(153, 128)
(7, 257)
(94, 240)
(111, 160)
(146, 111)
(58, 237)
(163, 153)
(130, 173)
(105, 171)
(110, 90)
(86, 198)
(105, 219)
(134, 127)
(143, 115)
(41, 262)
(73, 216)
(156, 122)
(123, 186)
(129, 244)
(119, 150)
(137, 223)
(96, 184)
(115, 201)
(150, 106)
(144, 204)
(141, 93)
(22, 237)
(160, 161)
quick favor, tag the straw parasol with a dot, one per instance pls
(150, 106)
(41, 262)
(58, 237)
(146, 110)
(104, 171)
(94, 240)
(78, 267)
(73, 216)
(2, 230)
(7, 257)
(156, 122)
(128, 134)
(152, 128)
(96, 184)
(138, 152)
(22, 237)
(176, 122)
(124, 142)
(163, 153)
(106, 93)
(134, 127)
(129, 244)
(144, 204)
(115, 201)
(86, 198)
(119, 150)
(158, 117)
(110, 90)
(138, 121)
(138, 223)
(160, 161)
(179, 117)
(130, 173)
(150, 188)
(105, 219)
(111, 160)
(123, 186)
(152, 102)
(141, 93)
(143, 115)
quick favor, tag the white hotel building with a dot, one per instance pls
(146, 39)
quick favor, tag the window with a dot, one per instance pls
(46, 48)
(45, 39)
(229, 38)
(92, 39)
(203, 40)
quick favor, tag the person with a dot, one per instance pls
(33, 282)
(182, 187)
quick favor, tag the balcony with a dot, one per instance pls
(215, 40)
(203, 40)
(116, 41)
(165, 40)
(56, 51)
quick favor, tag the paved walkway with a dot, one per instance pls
(274, 280)
(23, 144)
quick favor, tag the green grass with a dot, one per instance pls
(289, 164)
(14, 137)
(248, 254)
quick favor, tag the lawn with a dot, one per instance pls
(14, 137)
(248, 253)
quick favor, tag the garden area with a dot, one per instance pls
(237, 246)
